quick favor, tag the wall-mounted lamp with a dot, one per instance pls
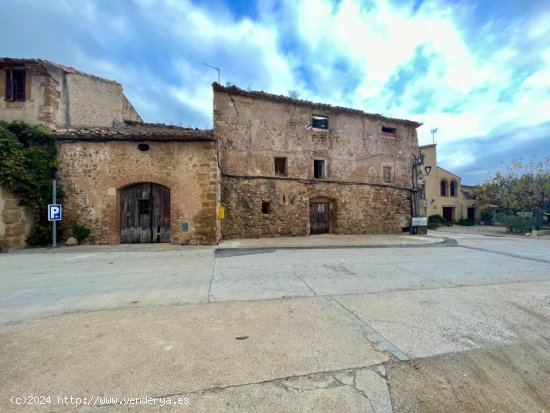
(428, 169)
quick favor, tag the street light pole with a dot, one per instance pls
(217, 69)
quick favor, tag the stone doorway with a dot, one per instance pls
(319, 217)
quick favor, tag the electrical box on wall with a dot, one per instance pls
(185, 227)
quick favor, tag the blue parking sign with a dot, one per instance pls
(54, 212)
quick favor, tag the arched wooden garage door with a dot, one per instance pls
(144, 213)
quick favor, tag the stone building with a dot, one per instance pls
(444, 193)
(280, 166)
(292, 167)
(42, 92)
(140, 183)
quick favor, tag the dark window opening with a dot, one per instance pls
(443, 188)
(319, 169)
(453, 188)
(15, 85)
(389, 131)
(387, 173)
(143, 147)
(266, 207)
(280, 167)
(319, 122)
(143, 206)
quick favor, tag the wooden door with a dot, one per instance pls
(319, 217)
(144, 213)
(471, 213)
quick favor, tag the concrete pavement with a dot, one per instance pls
(267, 329)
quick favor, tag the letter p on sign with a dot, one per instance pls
(54, 212)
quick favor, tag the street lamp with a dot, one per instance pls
(427, 169)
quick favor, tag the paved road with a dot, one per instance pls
(458, 326)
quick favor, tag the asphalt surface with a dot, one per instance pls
(279, 329)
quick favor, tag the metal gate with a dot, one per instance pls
(144, 213)
(319, 217)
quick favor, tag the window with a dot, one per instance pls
(443, 188)
(319, 122)
(143, 147)
(15, 85)
(453, 188)
(143, 206)
(319, 169)
(386, 130)
(266, 207)
(387, 174)
(280, 167)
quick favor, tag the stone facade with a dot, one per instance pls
(56, 96)
(15, 222)
(356, 150)
(93, 169)
(63, 97)
(452, 204)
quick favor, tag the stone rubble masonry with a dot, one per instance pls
(388, 212)
(254, 127)
(92, 174)
(15, 221)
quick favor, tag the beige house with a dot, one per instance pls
(444, 193)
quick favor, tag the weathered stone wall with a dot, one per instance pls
(93, 101)
(354, 209)
(93, 173)
(15, 221)
(61, 99)
(253, 131)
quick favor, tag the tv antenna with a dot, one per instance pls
(433, 132)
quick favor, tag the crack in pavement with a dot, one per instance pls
(373, 335)
(329, 373)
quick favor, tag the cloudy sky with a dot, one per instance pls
(478, 70)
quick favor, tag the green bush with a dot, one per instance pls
(81, 233)
(468, 222)
(515, 223)
(486, 214)
(436, 219)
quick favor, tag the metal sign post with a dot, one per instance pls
(54, 223)
(54, 213)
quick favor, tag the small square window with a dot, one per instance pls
(389, 130)
(143, 206)
(387, 174)
(15, 85)
(280, 167)
(319, 169)
(266, 207)
(319, 122)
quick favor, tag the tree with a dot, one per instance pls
(520, 187)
